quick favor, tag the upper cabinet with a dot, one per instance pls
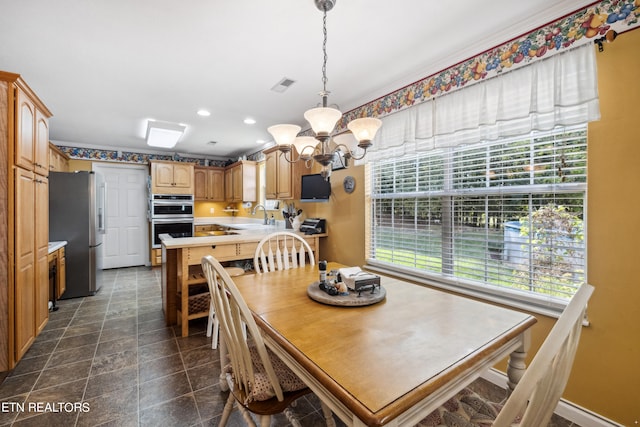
(282, 177)
(240, 182)
(58, 159)
(32, 134)
(172, 177)
(209, 184)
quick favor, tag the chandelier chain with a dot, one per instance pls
(324, 63)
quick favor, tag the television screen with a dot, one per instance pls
(314, 189)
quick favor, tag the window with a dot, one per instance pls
(503, 218)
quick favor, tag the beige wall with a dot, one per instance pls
(345, 219)
(607, 370)
(606, 374)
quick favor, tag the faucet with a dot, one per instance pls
(266, 219)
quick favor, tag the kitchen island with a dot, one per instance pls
(184, 287)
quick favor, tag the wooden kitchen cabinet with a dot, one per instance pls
(59, 260)
(240, 182)
(25, 259)
(58, 159)
(32, 135)
(208, 184)
(32, 258)
(282, 177)
(41, 227)
(24, 141)
(61, 273)
(156, 257)
(171, 177)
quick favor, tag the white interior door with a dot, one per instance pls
(126, 241)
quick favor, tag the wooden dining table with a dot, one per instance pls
(389, 363)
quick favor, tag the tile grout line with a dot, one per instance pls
(95, 351)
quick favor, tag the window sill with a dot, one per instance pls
(532, 304)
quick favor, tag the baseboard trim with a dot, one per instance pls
(566, 409)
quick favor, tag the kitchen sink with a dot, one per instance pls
(247, 226)
(218, 227)
(214, 233)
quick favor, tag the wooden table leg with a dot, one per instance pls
(516, 366)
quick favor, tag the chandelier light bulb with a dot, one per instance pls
(364, 129)
(322, 119)
(305, 145)
(284, 135)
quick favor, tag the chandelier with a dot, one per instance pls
(319, 148)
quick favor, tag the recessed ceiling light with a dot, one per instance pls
(260, 141)
(249, 121)
(203, 113)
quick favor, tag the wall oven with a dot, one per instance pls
(171, 206)
(170, 214)
(173, 227)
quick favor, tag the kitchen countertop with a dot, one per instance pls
(247, 230)
(54, 246)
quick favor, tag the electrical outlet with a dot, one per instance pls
(212, 210)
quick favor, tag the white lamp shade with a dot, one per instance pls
(347, 139)
(284, 134)
(364, 129)
(164, 134)
(305, 145)
(322, 119)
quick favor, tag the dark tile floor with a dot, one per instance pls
(109, 360)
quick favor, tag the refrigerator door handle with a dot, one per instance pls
(102, 209)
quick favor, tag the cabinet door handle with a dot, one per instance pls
(213, 246)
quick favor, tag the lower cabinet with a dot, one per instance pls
(41, 227)
(31, 293)
(57, 273)
(25, 259)
(156, 257)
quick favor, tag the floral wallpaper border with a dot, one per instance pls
(582, 27)
(133, 157)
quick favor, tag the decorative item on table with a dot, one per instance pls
(358, 280)
(330, 286)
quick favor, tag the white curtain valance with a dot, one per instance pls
(559, 91)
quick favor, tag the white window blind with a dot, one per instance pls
(505, 217)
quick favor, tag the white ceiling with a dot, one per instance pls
(103, 67)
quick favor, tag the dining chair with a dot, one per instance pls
(282, 250)
(536, 395)
(258, 381)
(213, 327)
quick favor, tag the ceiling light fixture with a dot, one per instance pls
(323, 121)
(164, 134)
(249, 121)
(203, 113)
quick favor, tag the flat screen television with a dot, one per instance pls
(314, 188)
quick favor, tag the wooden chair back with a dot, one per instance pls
(282, 250)
(233, 316)
(541, 387)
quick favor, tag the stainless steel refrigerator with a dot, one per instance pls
(77, 215)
